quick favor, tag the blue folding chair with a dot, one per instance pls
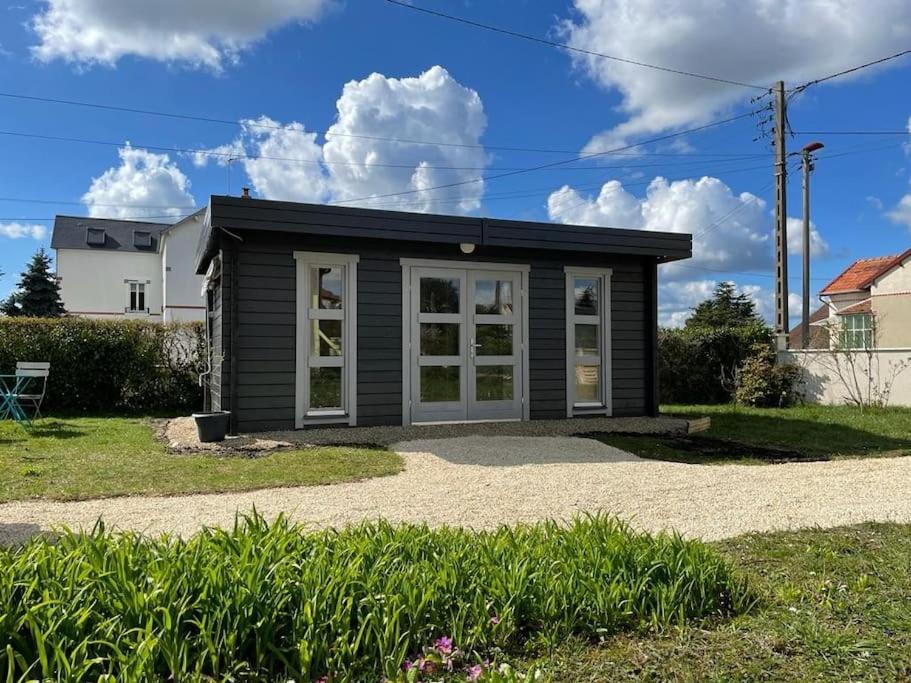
(11, 388)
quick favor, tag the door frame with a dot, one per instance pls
(407, 314)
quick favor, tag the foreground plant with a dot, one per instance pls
(270, 600)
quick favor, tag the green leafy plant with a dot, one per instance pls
(109, 365)
(762, 382)
(263, 601)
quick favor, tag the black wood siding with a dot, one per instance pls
(265, 331)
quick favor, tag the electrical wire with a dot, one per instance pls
(565, 46)
(817, 81)
(553, 164)
(232, 156)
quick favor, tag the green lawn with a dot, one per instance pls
(77, 458)
(834, 607)
(762, 435)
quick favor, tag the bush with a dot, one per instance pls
(694, 363)
(266, 601)
(762, 383)
(109, 365)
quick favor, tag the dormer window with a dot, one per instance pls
(142, 239)
(95, 237)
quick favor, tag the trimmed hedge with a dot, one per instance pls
(109, 365)
(697, 365)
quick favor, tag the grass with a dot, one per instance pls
(79, 458)
(270, 602)
(762, 435)
(833, 606)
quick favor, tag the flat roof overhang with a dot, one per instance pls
(235, 214)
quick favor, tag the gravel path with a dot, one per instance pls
(483, 481)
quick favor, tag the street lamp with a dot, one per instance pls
(808, 159)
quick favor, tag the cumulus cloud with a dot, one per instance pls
(144, 184)
(750, 41)
(901, 214)
(676, 300)
(730, 231)
(357, 163)
(15, 230)
(205, 33)
(818, 246)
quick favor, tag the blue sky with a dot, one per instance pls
(439, 81)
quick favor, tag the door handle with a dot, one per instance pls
(473, 346)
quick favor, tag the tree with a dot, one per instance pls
(726, 308)
(38, 292)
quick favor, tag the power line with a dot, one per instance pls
(552, 164)
(801, 88)
(238, 156)
(851, 132)
(565, 46)
(192, 209)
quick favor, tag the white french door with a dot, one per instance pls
(467, 344)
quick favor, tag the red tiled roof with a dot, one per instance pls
(819, 335)
(860, 274)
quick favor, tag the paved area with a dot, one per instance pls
(180, 433)
(484, 481)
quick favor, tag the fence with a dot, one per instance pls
(858, 377)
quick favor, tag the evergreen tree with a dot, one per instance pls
(725, 308)
(38, 293)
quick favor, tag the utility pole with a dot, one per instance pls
(807, 156)
(781, 220)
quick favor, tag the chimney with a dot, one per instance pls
(245, 193)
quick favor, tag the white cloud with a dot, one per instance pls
(902, 212)
(15, 230)
(676, 300)
(145, 184)
(200, 32)
(730, 231)
(818, 246)
(356, 163)
(752, 41)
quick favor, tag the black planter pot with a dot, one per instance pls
(212, 426)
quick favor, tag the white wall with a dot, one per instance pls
(831, 378)
(183, 300)
(92, 282)
(896, 280)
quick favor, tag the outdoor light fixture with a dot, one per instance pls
(813, 146)
(467, 247)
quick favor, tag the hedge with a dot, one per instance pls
(109, 365)
(697, 365)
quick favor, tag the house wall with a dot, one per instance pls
(893, 320)
(837, 377)
(182, 298)
(92, 282)
(264, 376)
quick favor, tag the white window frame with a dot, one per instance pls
(347, 414)
(407, 316)
(603, 320)
(854, 332)
(145, 296)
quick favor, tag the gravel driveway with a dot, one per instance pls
(483, 481)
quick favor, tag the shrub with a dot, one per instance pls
(109, 365)
(694, 362)
(761, 382)
(268, 600)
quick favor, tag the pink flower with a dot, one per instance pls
(444, 645)
(475, 672)
(495, 620)
(407, 665)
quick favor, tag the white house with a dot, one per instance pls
(115, 268)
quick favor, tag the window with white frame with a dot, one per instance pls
(326, 328)
(137, 297)
(856, 331)
(588, 387)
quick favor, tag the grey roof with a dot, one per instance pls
(236, 214)
(70, 232)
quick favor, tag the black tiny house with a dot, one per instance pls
(325, 314)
